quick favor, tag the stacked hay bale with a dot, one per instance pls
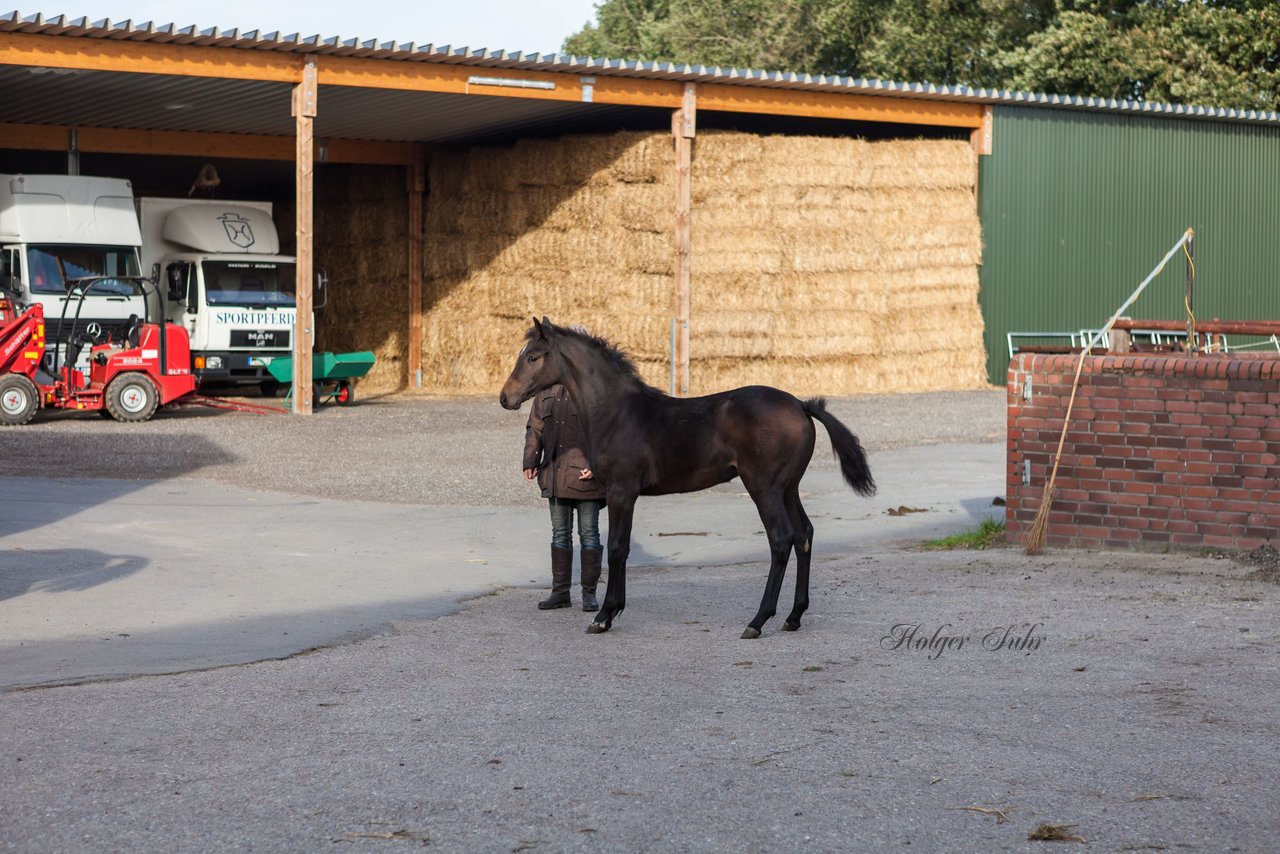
(362, 222)
(577, 229)
(834, 265)
(819, 265)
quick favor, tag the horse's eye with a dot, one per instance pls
(533, 358)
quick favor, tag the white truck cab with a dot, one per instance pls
(225, 281)
(58, 229)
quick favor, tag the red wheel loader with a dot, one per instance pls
(149, 367)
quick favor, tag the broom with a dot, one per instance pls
(1034, 542)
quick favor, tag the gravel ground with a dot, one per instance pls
(401, 449)
(1130, 702)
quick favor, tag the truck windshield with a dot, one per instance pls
(51, 267)
(248, 283)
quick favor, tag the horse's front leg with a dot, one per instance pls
(621, 510)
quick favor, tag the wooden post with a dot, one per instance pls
(304, 113)
(981, 137)
(981, 140)
(417, 187)
(683, 130)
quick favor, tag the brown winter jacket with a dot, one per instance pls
(554, 445)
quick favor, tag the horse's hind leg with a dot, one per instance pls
(621, 514)
(802, 531)
(777, 525)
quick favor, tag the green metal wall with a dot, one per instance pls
(1078, 207)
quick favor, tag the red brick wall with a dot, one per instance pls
(1162, 450)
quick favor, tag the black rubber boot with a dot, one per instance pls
(561, 580)
(590, 577)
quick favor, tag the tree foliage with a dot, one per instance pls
(1215, 52)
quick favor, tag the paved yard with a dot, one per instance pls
(933, 701)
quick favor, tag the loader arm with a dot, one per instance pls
(21, 339)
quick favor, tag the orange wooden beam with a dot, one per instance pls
(838, 105)
(35, 137)
(193, 144)
(668, 94)
(631, 92)
(88, 54)
(500, 82)
(451, 79)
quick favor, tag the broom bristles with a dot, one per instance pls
(1034, 543)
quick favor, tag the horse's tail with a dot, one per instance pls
(848, 450)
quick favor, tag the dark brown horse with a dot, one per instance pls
(642, 442)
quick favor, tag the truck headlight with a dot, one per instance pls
(213, 363)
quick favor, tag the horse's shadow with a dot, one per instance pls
(25, 571)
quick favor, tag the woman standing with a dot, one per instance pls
(554, 453)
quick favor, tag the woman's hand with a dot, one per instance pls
(530, 474)
(586, 475)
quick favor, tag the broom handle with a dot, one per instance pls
(1187, 235)
(1057, 457)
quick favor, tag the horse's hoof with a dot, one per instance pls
(789, 626)
(597, 628)
(750, 633)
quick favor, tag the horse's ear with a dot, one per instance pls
(542, 333)
(546, 327)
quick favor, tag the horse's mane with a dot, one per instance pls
(617, 358)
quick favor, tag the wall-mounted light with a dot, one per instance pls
(511, 82)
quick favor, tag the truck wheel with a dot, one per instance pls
(19, 400)
(270, 388)
(132, 397)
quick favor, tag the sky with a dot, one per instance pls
(530, 26)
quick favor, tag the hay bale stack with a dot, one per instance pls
(834, 266)
(362, 218)
(577, 229)
(820, 265)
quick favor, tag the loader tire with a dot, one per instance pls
(132, 397)
(19, 400)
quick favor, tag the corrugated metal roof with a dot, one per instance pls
(47, 96)
(170, 33)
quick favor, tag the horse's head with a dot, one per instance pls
(539, 366)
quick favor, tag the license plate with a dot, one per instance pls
(274, 338)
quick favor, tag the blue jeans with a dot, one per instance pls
(562, 523)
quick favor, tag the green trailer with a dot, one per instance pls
(333, 375)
